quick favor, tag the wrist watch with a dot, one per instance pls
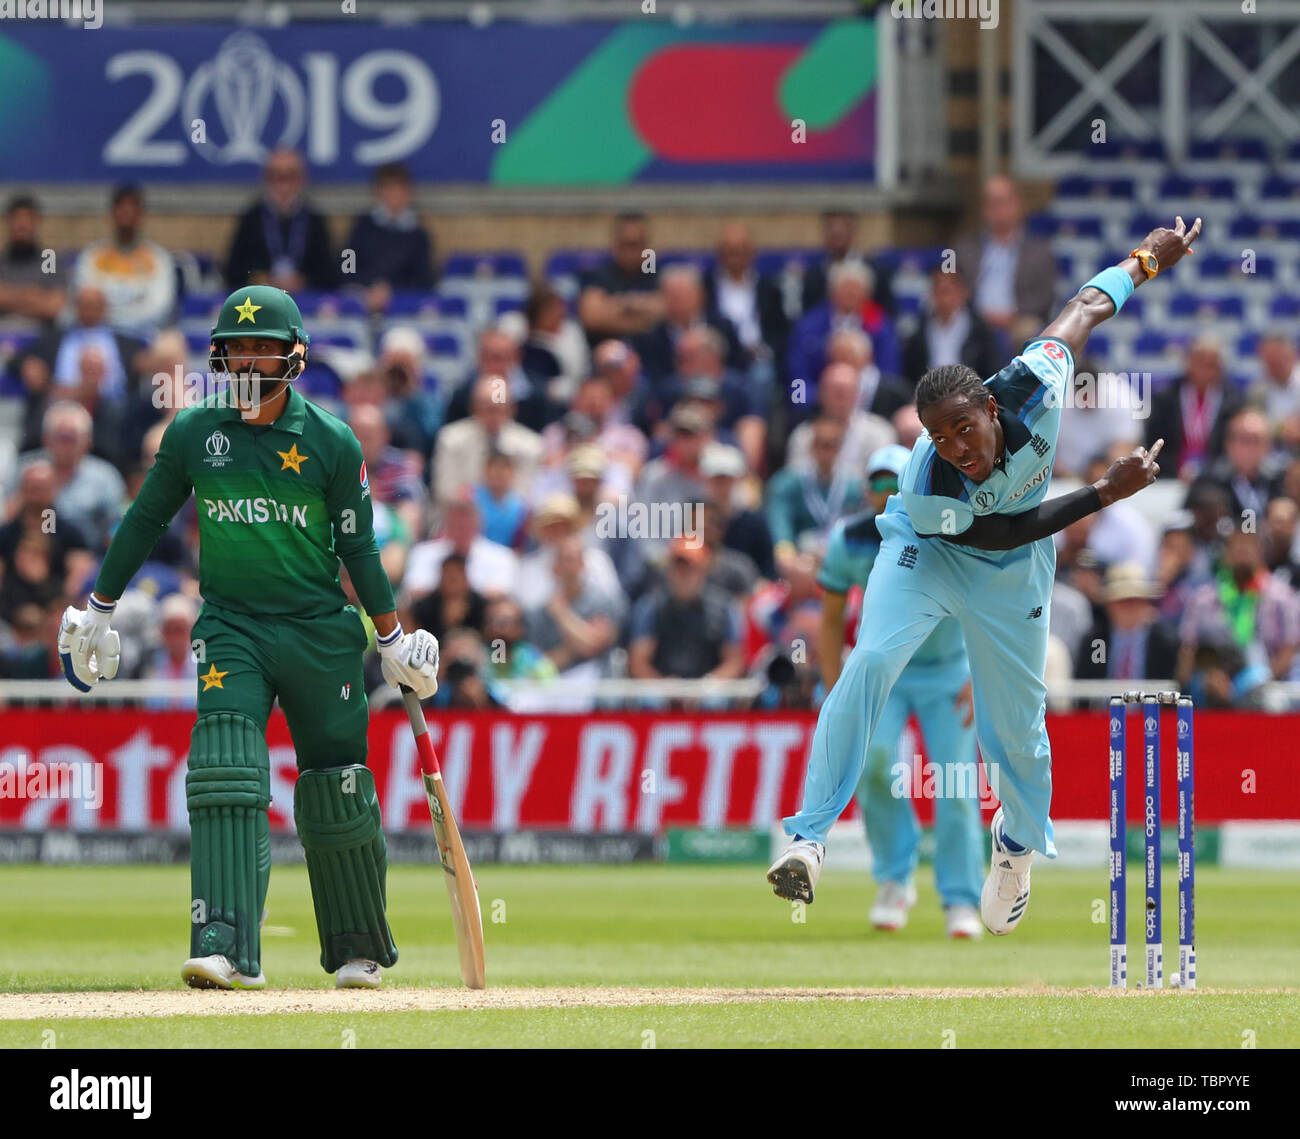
(1147, 259)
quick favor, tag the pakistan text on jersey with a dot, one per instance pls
(250, 510)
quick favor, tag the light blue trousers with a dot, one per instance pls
(892, 781)
(1002, 603)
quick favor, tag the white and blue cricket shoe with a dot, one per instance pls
(1005, 896)
(794, 875)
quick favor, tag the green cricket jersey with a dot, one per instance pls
(279, 505)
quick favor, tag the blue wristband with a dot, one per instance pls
(1115, 283)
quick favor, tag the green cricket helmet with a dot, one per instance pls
(265, 312)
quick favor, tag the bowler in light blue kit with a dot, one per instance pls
(969, 537)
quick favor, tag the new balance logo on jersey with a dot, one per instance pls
(1035, 613)
(907, 559)
(345, 692)
(1040, 445)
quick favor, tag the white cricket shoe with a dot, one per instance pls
(794, 875)
(218, 972)
(892, 902)
(1005, 896)
(963, 923)
(359, 973)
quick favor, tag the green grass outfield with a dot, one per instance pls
(672, 928)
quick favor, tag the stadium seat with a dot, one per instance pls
(312, 303)
(201, 305)
(1285, 306)
(414, 302)
(1096, 189)
(1230, 307)
(1174, 188)
(703, 260)
(501, 265)
(1278, 187)
(1059, 226)
(774, 262)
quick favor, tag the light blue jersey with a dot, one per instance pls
(940, 500)
(850, 553)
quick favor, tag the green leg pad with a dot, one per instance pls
(337, 813)
(228, 791)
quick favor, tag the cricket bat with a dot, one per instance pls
(461, 887)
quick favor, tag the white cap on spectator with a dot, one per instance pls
(178, 605)
(722, 459)
(405, 341)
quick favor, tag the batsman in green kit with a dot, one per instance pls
(282, 497)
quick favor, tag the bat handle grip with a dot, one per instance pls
(420, 728)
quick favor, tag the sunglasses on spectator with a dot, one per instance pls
(881, 484)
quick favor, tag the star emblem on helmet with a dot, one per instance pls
(246, 311)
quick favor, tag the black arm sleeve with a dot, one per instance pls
(1007, 531)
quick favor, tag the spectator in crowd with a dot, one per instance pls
(730, 570)
(1223, 676)
(615, 362)
(165, 386)
(686, 628)
(675, 476)
(621, 443)
(89, 362)
(280, 240)
(493, 570)
(412, 405)
(137, 276)
(804, 501)
(685, 308)
(577, 626)
(621, 298)
(1014, 273)
(463, 680)
(1244, 606)
(744, 530)
(1277, 391)
(1181, 566)
(32, 284)
(864, 432)
(510, 655)
(394, 474)
(554, 347)
(950, 332)
(174, 657)
(1191, 415)
(752, 304)
(1248, 471)
(30, 576)
(32, 511)
(598, 519)
(1280, 541)
(849, 306)
(1130, 642)
(878, 393)
(558, 518)
(455, 604)
(393, 249)
(1101, 413)
(87, 490)
(839, 245)
(503, 509)
(1117, 533)
(27, 644)
(907, 424)
(701, 356)
(463, 446)
(500, 357)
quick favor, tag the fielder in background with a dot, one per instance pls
(282, 496)
(935, 686)
(969, 536)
